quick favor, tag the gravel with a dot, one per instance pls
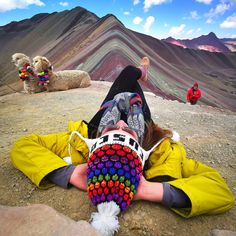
(208, 134)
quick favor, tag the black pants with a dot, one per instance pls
(127, 81)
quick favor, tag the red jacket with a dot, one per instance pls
(193, 95)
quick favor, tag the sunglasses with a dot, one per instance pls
(116, 127)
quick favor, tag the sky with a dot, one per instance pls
(181, 19)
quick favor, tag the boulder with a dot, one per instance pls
(40, 220)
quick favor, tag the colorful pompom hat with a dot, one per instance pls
(115, 166)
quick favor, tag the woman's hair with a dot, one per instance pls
(153, 134)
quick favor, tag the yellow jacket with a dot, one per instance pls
(37, 155)
(206, 189)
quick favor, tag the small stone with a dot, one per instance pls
(232, 166)
(126, 224)
(25, 130)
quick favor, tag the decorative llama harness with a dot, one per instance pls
(25, 72)
(43, 78)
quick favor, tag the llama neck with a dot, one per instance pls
(50, 73)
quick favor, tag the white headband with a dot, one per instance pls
(117, 138)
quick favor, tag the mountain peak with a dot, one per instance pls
(211, 34)
(112, 17)
(170, 38)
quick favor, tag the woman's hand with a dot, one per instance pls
(149, 191)
(79, 177)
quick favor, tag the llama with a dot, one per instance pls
(26, 73)
(60, 80)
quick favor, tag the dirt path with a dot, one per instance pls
(208, 134)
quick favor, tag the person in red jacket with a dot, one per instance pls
(193, 94)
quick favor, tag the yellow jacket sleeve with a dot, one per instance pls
(206, 189)
(38, 155)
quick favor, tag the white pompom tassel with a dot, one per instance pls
(175, 138)
(105, 221)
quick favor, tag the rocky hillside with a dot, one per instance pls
(78, 39)
(207, 133)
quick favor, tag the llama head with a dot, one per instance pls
(41, 64)
(20, 59)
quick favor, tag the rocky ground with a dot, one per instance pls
(209, 135)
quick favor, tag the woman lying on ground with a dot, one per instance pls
(186, 186)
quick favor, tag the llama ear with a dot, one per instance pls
(50, 67)
(45, 59)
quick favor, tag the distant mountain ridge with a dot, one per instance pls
(78, 39)
(17, 26)
(208, 42)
